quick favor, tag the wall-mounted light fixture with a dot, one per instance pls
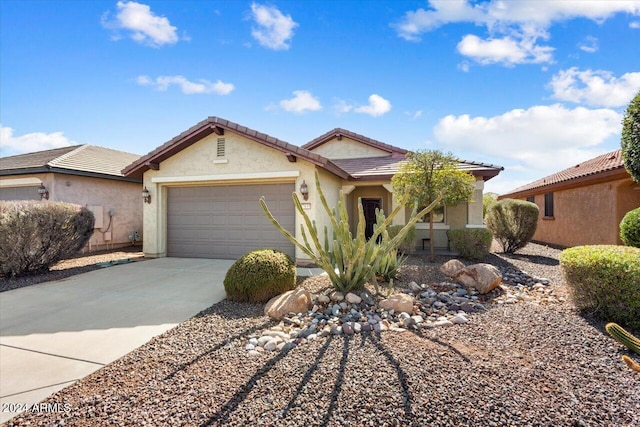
(304, 190)
(43, 192)
(146, 196)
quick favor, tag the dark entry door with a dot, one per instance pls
(369, 207)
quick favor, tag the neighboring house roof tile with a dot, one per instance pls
(582, 172)
(383, 167)
(83, 159)
(211, 125)
(339, 132)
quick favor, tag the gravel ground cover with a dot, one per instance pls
(526, 363)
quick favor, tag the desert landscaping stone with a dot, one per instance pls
(294, 301)
(483, 277)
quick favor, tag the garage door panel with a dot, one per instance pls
(227, 221)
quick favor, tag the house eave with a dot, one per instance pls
(597, 178)
(62, 171)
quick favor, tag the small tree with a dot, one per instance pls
(631, 138)
(487, 200)
(513, 223)
(425, 175)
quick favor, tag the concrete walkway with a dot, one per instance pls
(55, 333)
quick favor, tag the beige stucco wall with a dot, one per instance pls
(195, 166)
(104, 194)
(587, 215)
(347, 149)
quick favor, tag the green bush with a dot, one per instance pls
(36, 235)
(407, 244)
(513, 223)
(259, 276)
(471, 243)
(605, 280)
(630, 228)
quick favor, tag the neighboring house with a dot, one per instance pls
(85, 175)
(584, 204)
(206, 182)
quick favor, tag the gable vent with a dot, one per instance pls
(221, 148)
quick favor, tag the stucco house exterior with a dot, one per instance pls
(583, 204)
(206, 182)
(85, 175)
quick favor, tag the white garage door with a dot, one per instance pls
(227, 221)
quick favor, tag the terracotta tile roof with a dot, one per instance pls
(339, 132)
(217, 124)
(379, 167)
(606, 162)
(78, 158)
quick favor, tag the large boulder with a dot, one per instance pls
(398, 302)
(482, 277)
(295, 301)
(451, 267)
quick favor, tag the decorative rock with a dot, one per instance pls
(482, 277)
(353, 298)
(414, 287)
(294, 301)
(357, 327)
(323, 299)
(336, 296)
(249, 347)
(398, 302)
(367, 298)
(459, 319)
(271, 345)
(347, 328)
(253, 353)
(451, 267)
(335, 310)
(336, 330)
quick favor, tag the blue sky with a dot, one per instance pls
(534, 86)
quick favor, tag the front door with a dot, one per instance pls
(369, 207)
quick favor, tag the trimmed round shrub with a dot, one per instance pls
(260, 275)
(630, 229)
(605, 280)
(512, 222)
(471, 243)
(36, 235)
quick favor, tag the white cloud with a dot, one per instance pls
(145, 27)
(594, 87)
(541, 139)
(506, 50)
(589, 44)
(31, 142)
(514, 27)
(635, 25)
(273, 30)
(187, 87)
(377, 106)
(342, 106)
(301, 102)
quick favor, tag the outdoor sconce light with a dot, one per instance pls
(304, 190)
(42, 191)
(146, 196)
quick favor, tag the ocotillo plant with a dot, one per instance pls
(349, 261)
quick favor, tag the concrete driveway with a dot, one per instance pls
(55, 333)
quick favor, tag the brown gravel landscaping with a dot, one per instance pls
(535, 362)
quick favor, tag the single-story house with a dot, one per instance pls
(583, 204)
(206, 182)
(85, 175)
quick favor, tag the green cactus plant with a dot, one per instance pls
(349, 261)
(623, 337)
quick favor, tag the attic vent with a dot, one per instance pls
(221, 148)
